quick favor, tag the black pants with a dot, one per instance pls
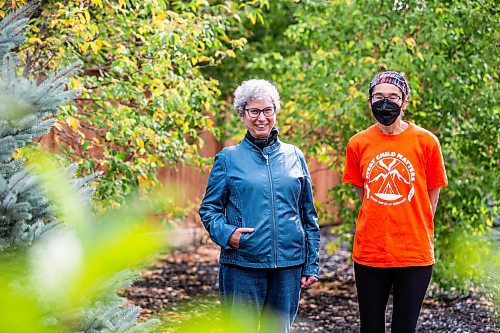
(373, 284)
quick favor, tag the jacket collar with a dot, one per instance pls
(273, 136)
(266, 151)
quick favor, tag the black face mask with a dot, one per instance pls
(385, 111)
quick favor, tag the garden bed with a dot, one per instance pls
(183, 285)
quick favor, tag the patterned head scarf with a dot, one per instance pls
(393, 78)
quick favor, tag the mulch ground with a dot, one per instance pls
(183, 285)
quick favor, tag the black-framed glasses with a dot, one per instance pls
(392, 97)
(255, 113)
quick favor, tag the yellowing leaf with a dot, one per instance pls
(158, 114)
(152, 159)
(370, 60)
(18, 154)
(73, 122)
(94, 47)
(33, 40)
(231, 53)
(206, 105)
(140, 142)
(103, 42)
(142, 181)
(252, 18)
(97, 2)
(74, 83)
(83, 47)
(160, 17)
(204, 58)
(410, 42)
(82, 18)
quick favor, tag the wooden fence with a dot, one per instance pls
(194, 181)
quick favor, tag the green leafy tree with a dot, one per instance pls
(26, 213)
(67, 284)
(144, 98)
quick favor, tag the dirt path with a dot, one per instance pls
(183, 285)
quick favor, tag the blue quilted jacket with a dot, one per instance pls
(269, 190)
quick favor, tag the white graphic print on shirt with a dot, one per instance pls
(390, 177)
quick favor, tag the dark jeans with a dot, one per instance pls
(373, 284)
(263, 293)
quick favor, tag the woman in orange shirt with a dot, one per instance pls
(397, 169)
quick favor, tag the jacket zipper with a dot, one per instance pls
(273, 210)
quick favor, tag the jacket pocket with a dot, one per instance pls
(292, 240)
(243, 240)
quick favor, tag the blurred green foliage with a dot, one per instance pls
(52, 286)
(477, 260)
(206, 315)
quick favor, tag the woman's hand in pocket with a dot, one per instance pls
(234, 240)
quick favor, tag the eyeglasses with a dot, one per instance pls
(392, 97)
(255, 113)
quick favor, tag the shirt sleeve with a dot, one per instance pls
(435, 171)
(352, 170)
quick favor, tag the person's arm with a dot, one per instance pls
(352, 170)
(309, 218)
(434, 198)
(435, 173)
(213, 206)
(360, 191)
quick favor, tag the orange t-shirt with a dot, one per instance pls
(395, 226)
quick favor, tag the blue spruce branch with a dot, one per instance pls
(26, 215)
(12, 27)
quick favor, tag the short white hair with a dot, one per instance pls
(255, 90)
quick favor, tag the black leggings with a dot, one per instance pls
(373, 284)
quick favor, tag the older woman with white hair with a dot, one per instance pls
(259, 208)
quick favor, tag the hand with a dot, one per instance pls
(307, 281)
(234, 240)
